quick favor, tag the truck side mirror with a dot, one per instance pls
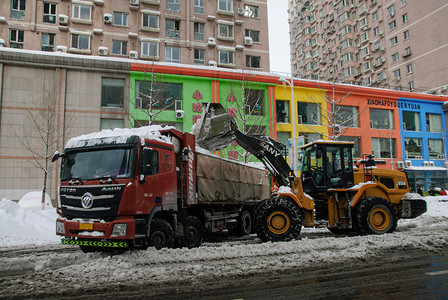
(56, 156)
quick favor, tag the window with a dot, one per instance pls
(391, 10)
(111, 123)
(405, 18)
(413, 148)
(254, 102)
(150, 48)
(150, 21)
(380, 76)
(120, 47)
(407, 51)
(409, 68)
(225, 30)
(173, 5)
(198, 6)
(199, 57)
(383, 148)
(172, 54)
(393, 41)
(397, 74)
(356, 147)
(254, 34)
(47, 43)
(112, 92)
(364, 37)
(250, 11)
(172, 28)
(82, 12)
(225, 5)
(198, 31)
(406, 34)
(282, 111)
(375, 16)
(120, 19)
(392, 25)
(381, 119)
(376, 30)
(411, 86)
(434, 122)
(411, 121)
(283, 137)
(226, 57)
(308, 113)
(18, 9)
(365, 51)
(403, 2)
(49, 15)
(163, 95)
(367, 81)
(253, 61)
(16, 38)
(346, 116)
(435, 149)
(395, 57)
(80, 42)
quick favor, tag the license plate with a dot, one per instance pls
(86, 226)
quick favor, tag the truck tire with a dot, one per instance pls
(278, 219)
(375, 215)
(244, 224)
(193, 232)
(161, 234)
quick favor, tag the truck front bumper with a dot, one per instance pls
(412, 208)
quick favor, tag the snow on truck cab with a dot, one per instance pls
(150, 186)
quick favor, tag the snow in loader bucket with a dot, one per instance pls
(105, 244)
(216, 129)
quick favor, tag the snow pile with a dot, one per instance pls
(119, 136)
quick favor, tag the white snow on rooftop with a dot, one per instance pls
(118, 136)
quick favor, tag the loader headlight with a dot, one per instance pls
(119, 230)
(60, 228)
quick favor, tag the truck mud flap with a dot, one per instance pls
(102, 244)
(216, 129)
(410, 208)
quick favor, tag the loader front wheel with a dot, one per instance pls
(278, 219)
(375, 215)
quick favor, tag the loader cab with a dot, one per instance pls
(327, 165)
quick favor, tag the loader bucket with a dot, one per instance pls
(216, 129)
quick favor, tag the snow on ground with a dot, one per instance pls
(28, 226)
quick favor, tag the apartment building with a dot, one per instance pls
(223, 33)
(396, 44)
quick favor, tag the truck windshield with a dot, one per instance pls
(90, 165)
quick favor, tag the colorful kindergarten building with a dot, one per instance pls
(403, 130)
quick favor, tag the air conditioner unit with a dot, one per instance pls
(241, 11)
(248, 41)
(407, 164)
(63, 20)
(62, 49)
(213, 63)
(133, 54)
(211, 42)
(179, 114)
(2, 43)
(392, 14)
(135, 2)
(400, 164)
(103, 51)
(107, 18)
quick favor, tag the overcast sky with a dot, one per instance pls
(278, 36)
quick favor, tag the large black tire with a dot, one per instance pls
(161, 234)
(244, 224)
(193, 232)
(278, 219)
(375, 215)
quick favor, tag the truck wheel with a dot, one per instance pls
(277, 219)
(161, 234)
(244, 226)
(375, 215)
(193, 232)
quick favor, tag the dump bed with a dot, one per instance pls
(225, 181)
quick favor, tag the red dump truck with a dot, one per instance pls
(134, 188)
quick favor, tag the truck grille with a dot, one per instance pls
(91, 201)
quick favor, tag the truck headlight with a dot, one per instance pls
(119, 230)
(60, 228)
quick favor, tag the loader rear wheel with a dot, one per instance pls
(161, 234)
(277, 219)
(375, 215)
(193, 232)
